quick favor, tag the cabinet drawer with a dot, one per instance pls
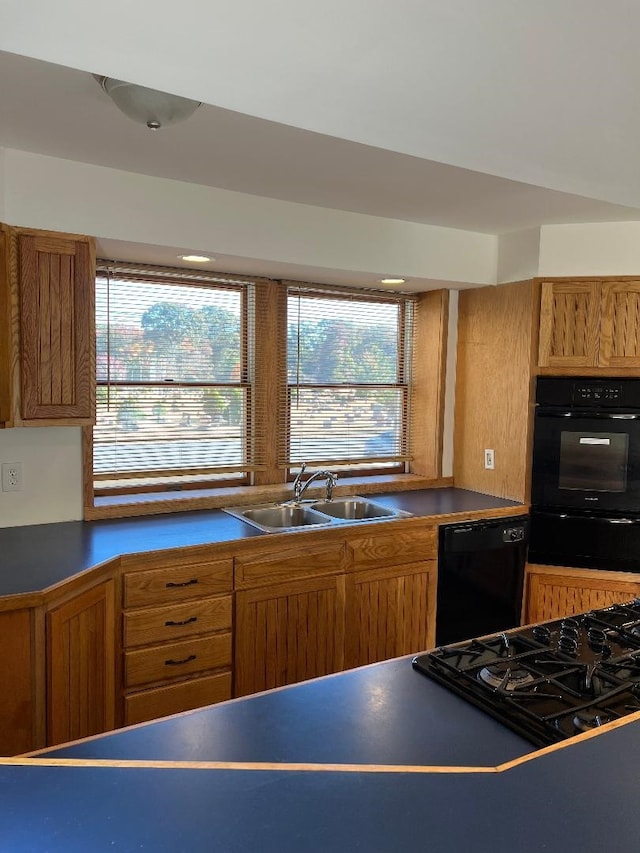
(391, 549)
(162, 624)
(162, 701)
(177, 583)
(173, 660)
(289, 564)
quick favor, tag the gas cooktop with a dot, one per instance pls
(550, 681)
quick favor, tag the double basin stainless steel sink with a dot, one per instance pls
(283, 517)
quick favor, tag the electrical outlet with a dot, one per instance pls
(489, 460)
(12, 476)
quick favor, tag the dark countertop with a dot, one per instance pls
(366, 715)
(35, 557)
(578, 797)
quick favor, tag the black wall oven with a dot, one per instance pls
(585, 491)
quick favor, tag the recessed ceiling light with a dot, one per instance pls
(392, 280)
(196, 259)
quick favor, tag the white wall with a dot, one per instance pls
(518, 255)
(609, 248)
(51, 475)
(49, 193)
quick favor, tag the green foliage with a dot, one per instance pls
(336, 351)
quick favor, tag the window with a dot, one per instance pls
(207, 381)
(348, 379)
(174, 396)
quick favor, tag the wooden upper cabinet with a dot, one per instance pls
(6, 360)
(569, 324)
(57, 340)
(590, 325)
(620, 326)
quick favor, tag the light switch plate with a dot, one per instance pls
(489, 461)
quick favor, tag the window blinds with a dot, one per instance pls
(174, 392)
(348, 360)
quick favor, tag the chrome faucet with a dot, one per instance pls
(299, 488)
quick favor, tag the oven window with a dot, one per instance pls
(595, 462)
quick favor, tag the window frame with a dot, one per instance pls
(267, 366)
(365, 466)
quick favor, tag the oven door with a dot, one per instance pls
(586, 460)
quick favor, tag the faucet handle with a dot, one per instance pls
(297, 483)
(332, 479)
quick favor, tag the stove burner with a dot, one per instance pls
(501, 676)
(552, 681)
(585, 720)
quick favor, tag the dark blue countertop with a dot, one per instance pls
(35, 557)
(579, 797)
(386, 713)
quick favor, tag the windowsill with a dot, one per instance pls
(122, 506)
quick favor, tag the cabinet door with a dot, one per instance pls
(81, 665)
(288, 632)
(6, 361)
(555, 593)
(57, 342)
(620, 329)
(569, 324)
(18, 694)
(390, 612)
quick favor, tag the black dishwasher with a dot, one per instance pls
(480, 577)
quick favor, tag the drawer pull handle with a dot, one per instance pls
(184, 583)
(184, 621)
(178, 662)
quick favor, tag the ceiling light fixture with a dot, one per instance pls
(196, 259)
(147, 106)
(392, 280)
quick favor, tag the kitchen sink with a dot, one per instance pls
(284, 517)
(357, 509)
(278, 517)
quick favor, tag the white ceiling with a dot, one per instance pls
(489, 116)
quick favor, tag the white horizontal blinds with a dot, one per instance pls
(173, 392)
(348, 361)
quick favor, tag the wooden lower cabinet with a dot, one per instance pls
(182, 696)
(81, 665)
(556, 591)
(390, 612)
(289, 632)
(176, 634)
(18, 694)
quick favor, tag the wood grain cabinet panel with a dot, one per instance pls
(81, 665)
(590, 325)
(288, 632)
(175, 698)
(620, 328)
(18, 686)
(176, 660)
(163, 624)
(57, 340)
(569, 324)
(167, 584)
(6, 314)
(391, 548)
(554, 592)
(390, 612)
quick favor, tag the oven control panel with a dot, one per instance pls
(596, 393)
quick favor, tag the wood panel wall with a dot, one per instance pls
(497, 342)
